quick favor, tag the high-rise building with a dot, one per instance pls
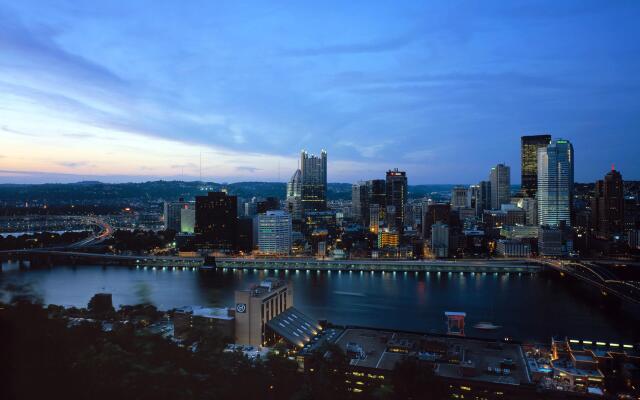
(377, 192)
(274, 232)
(440, 240)
(607, 206)
(435, 213)
(529, 146)
(460, 197)
(360, 202)
(172, 213)
(555, 183)
(294, 195)
(217, 221)
(374, 218)
(500, 178)
(187, 220)
(483, 200)
(269, 204)
(396, 190)
(314, 181)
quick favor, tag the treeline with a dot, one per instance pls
(43, 239)
(44, 357)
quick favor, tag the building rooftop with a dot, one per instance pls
(481, 360)
(295, 327)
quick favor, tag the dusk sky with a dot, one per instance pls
(137, 90)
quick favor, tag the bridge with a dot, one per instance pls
(275, 264)
(597, 276)
(49, 258)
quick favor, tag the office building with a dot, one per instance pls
(274, 232)
(500, 178)
(530, 207)
(554, 241)
(513, 248)
(217, 221)
(607, 206)
(377, 192)
(460, 197)
(555, 183)
(529, 146)
(360, 203)
(397, 195)
(313, 171)
(268, 204)
(483, 199)
(374, 218)
(172, 213)
(435, 213)
(388, 239)
(187, 220)
(293, 202)
(440, 240)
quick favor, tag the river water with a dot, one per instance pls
(526, 306)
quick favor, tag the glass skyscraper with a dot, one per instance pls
(555, 183)
(529, 146)
(500, 178)
(314, 181)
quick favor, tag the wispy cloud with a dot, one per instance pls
(75, 164)
(373, 46)
(245, 168)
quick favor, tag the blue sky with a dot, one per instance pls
(136, 90)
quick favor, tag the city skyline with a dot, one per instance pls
(111, 92)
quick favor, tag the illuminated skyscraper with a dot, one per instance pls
(607, 206)
(500, 178)
(396, 190)
(314, 181)
(555, 183)
(529, 146)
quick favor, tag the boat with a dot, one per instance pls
(486, 326)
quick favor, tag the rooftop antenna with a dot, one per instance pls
(613, 167)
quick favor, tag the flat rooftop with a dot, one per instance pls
(478, 355)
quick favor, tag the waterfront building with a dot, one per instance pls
(440, 240)
(513, 248)
(500, 178)
(607, 206)
(172, 213)
(217, 221)
(258, 305)
(274, 232)
(187, 220)
(314, 181)
(460, 197)
(554, 241)
(555, 183)
(360, 202)
(397, 195)
(529, 146)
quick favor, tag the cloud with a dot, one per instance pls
(15, 131)
(374, 46)
(248, 169)
(75, 164)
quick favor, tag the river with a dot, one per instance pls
(526, 306)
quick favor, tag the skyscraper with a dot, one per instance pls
(314, 181)
(360, 202)
(483, 200)
(500, 178)
(529, 146)
(607, 205)
(217, 221)
(555, 183)
(274, 232)
(172, 213)
(460, 197)
(396, 190)
(294, 195)
(377, 192)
